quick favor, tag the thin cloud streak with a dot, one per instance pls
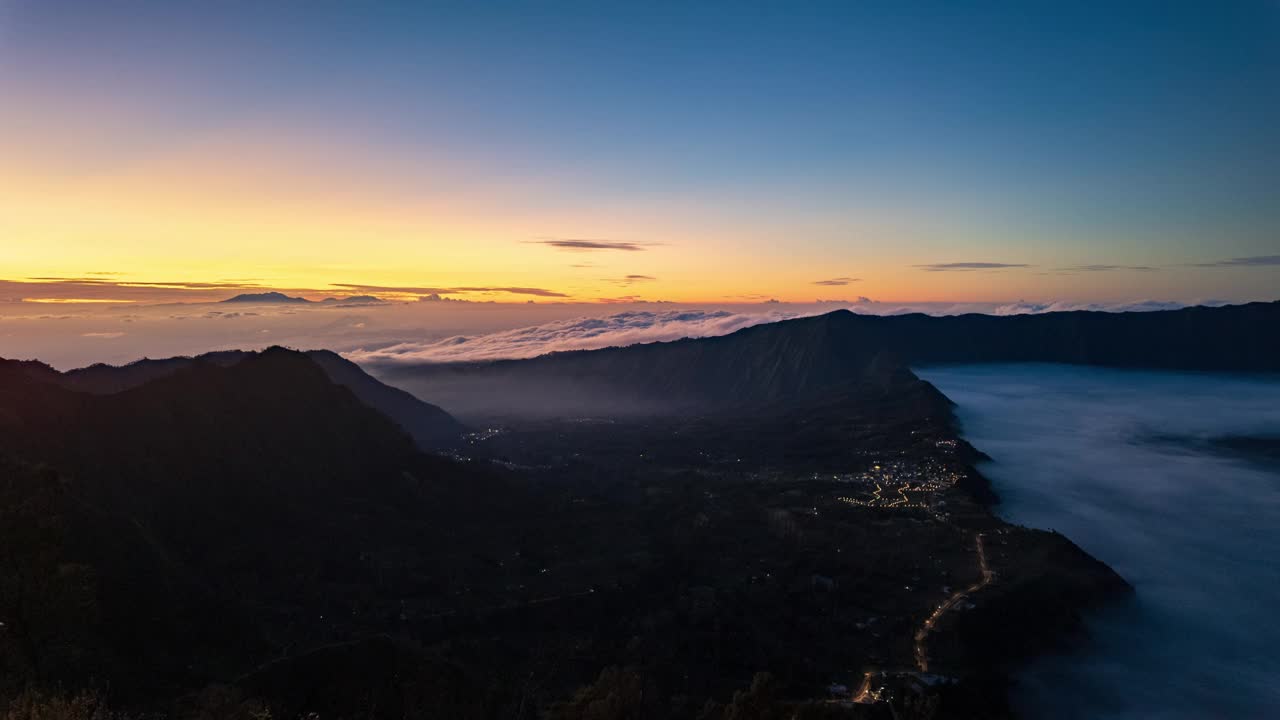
(963, 266)
(1255, 261)
(835, 282)
(1109, 268)
(630, 279)
(589, 244)
(417, 290)
(98, 290)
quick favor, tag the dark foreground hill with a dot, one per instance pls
(430, 427)
(804, 358)
(176, 531)
(241, 533)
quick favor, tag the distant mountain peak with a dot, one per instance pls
(266, 297)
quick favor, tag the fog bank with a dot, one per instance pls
(1127, 465)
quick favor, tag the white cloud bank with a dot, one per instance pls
(582, 333)
(643, 326)
(416, 332)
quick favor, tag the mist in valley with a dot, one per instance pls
(1169, 478)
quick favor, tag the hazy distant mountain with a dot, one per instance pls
(430, 427)
(280, 298)
(267, 297)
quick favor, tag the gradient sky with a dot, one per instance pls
(696, 152)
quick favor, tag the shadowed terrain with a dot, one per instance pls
(258, 531)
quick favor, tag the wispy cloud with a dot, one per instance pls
(90, 290)
(1255, 261)
(49, 289)
(1108, 268)
(630, 279)
(171, 285)
(837, 281)
(589, 244)
(461, 289)
(963, 266)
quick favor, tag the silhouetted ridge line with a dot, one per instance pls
(796, 360)
(430, 427)
(1236, 338)
(754, 368)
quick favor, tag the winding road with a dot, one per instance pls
(922, 634)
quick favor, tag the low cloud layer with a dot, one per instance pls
(583, 333)
(1023, 307)
(1123, 463)
(439, 329)
(643, 326)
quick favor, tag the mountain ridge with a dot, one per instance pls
(431, 427)
(759, 365)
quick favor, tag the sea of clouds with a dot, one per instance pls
(419, 332)
(581, 333)
(589, 332)
(1122, 463)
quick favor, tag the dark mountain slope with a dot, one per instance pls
(212, 518)
(1237, 338)
(752, 368)
(430, 427)
(87, 595)
(246, 525)
(805, 358)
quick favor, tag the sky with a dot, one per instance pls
(517, 178)
(693, 152)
